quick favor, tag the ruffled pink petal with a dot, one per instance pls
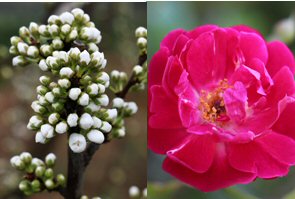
(171, 38)
(285, 124)
(279, 56)
(163, 110)
(253, 46)
(200, 30)
(244, 28)
(235, 100)
(157, 67)
(257, 158)
(220, 175)
(179, 44)
(163, 140)
(197, 153)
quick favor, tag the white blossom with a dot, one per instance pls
(61, 127)
(36, 121)
(66, 72)
(65, 29)
(42, 29)
(137, 69)
(118, 102)
(103, 100)
(22, 47)
(92, 89)
(141, 32)
(77, 12)
(74, 52)
(96, 122)
(77, 142)
(33, 27)
(86, 121)
(67, 17)
(47, 130)
(18, 60)
(42, 65)
(57, 43)
(115, 74)
(51, 61)
(37, 107)
(49, 97)
(84, 57)
(131, 106)
(91, 33)
(134, 191)
(53, 19)
(121, 132)
(74, 93)
(106, 127)
(64, 83)
(101, 88)
(33, 51)
(142, 42)
(53, 29)
(93, 107)
(53, 118)
(46, 49)
(50, 157)
(73, 34)
(72, 119)
(83, 99)
(92, 47)
(112, 113)
(95, 136)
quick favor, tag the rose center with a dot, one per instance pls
(212, 104)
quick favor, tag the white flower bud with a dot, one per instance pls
(142, 42)
(46, 50)
(36, 121)
(18, 61)
(33, 27)
(26, 157)
(56, 91)
(49, 184)
(86, 121)
(50, 159)
(53, 118)
(103, 100)
(61, 127)
(115, 74)
(97, 58)
(43, 30)
(24, 32)
(134, 191)
(67, 17)
(49, 97)
(57, 44)
(104, 78)
(91, 34)
(144, 192)
(104, 63)
(22, 47)
(73, 35)
(112, 113)
(14, 40)
(37, 162)
(93, 107)
(37, 107)
(42, 100)
(42, 65)
(86, 18)
(77, 143)
(118, 102)
(137, 70)
(92, 89)
(84, 58)
(78, 13)
(45, 80)
(52, 62)
(131, 106)
(53, 29)
(66, 72)
(101, 88)
(72, 119)
(47, 130)
(65, 29)
(121, 132)
(141, 32)
(64, 83)
(84, 99)
(106, 127)
(95, 136)
(74, 93)
(96, 122)
(92, 47)
(74, 53)
(53, 19)
(61, 55)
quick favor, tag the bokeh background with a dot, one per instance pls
(116, 165)
(275, 20)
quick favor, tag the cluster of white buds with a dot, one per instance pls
(38, 41)
(141, 35)
(39, 175)
(135, 193)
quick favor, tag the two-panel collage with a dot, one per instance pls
(92, 107)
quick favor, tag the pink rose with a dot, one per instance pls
(222, 106)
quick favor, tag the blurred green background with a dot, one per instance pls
(275, 20)
(117, 165)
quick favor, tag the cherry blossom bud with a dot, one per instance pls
(64, 83)
(67, 17)
(49, 184)
(92, 47)
(65, 29)
(95, 136)
(53, 19)
(84, 58)
(52, 62)
(74, 93)
(121, 132)
(46, 50)
(53, 29)
(37, 162)
(118, 102)
(50, 159)
(78, 13)
(112, 114)
(106, 127)
(47, 130)
(141, 32)
(61, 55)
(36, 121)
(142, 42)
(93, 107)
(18, 61)
(40, 170)
(134, 191)
(56, 91)
(74, 53)
(61, 127)
(49, 97)
(53, 118)
(24, 185)
(73, 35)
(39, 138)
(103, 78)
(45, 80)
(86, 18)
(96, 122)
(72, 120)
(22, 47)
(42, 65)
(43, 30)
(92, 89)
(91, 34)
(57, 44)
(131, 107)
(24, 32)
(33, 51)
(86, 121)
(36, 185)
(26, 157)
(103, 100)
(61, 180)
(83, 99)
(101, 88)
(14, 40)
(49, 173)
(42, 90)
(77, 143)
(37, 107)
(115, 74)
(66, 72)
(137, 70)
(58, 106)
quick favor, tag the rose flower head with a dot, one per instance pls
(221, 106)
